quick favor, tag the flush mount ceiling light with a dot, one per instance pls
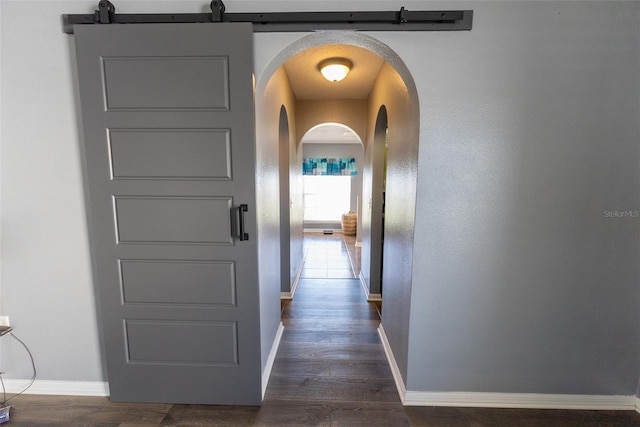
(335, 69)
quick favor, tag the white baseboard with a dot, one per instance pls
(62, 388)
(503, 400)
(370, 297)
(363, 283)
(519, 400)
(266, 373)
(296, 279)
(395, 370)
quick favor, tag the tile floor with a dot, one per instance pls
(331, 256)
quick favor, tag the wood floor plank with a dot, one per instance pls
(361, 369)
(300, 368)
(364, 337)
(346, 413)
(302, 304)
(332, 389)
(212, 415)
(428, 416)
(35, 410)
(320, 313)
(70, 423)
(325, 297)
(331, 351)
(380, 416)
(292, 413)
(342, 296)
(331, 325)
(333, 368)
(497, 417)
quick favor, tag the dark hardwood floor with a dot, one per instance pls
(330, 370)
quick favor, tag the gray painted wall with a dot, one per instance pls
(529, 134)
(395, 95)
(284, 147)
(296, 209)
(272, 95)
(373, 197)
(291, 207)
(46, 281)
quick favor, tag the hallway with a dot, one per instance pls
(331, 367)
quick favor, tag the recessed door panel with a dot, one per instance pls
(178, 282)
(173, 220)
(166, 83)
(170, 153)
(177, 343)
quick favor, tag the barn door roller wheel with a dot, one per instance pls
(217, 10)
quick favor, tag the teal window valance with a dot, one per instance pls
(329, 166)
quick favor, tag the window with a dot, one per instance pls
(326, 198)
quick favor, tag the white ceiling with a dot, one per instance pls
(308, 84)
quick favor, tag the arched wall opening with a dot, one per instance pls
(352, 114)
(374, 195)
(287, 150)
(395, 89)
(311, 134)
(327, 199)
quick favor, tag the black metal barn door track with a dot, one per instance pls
(403, 20)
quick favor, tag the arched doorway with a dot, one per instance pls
(289, 211)
(374, 207)
(326, 198)
(393, 88)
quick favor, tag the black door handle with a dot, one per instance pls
(241, 210)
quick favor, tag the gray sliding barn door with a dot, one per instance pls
(169, 140)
